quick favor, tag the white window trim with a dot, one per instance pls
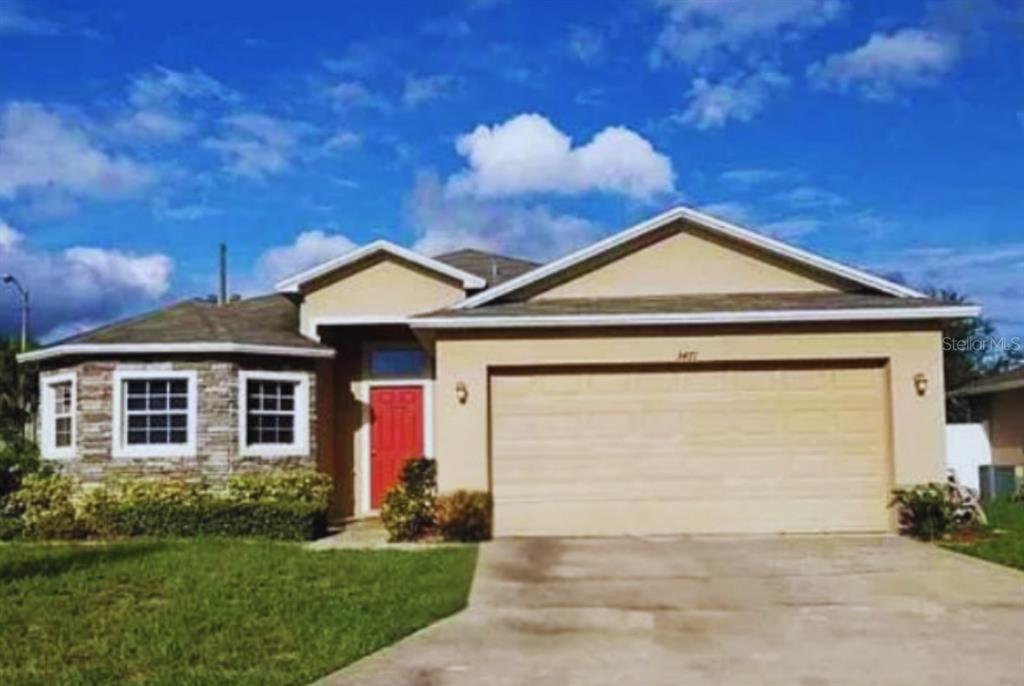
(50, 449)
(120, 448)
(362, 389)
(300, 446)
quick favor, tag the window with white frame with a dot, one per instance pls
(155, 413)
(274, 413)
(59, 416)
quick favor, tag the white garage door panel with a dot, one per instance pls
(690, 451)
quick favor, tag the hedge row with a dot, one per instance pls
(281, 504)
(208, 517)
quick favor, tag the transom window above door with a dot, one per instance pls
(397, 362)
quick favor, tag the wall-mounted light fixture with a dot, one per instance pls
(921, 383)
(461, 392)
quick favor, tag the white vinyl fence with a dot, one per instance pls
(967, 448)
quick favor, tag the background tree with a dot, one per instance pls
(971, 350)
(18, 400)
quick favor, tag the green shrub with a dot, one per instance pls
(284, 504)
(931, 511)
(18, 459)
(464, 516)
(45, 506)
(408, 509)
(205, 516)
(11, 528)
(285, 485)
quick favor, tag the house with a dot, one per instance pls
(997, 402)
(684, 375)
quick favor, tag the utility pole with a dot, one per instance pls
(11, 279)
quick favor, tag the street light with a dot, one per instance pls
(11, 279)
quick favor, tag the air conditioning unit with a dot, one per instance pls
(1000, 480)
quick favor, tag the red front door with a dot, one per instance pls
(396, 436)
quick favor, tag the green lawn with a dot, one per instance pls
(1006, 544)
(218, 612)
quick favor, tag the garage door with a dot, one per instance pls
(749, 449)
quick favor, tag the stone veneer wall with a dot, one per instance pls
(217, 454)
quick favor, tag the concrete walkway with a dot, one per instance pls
(736, 611)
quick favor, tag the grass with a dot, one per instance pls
(1005, 545)
(191, 613)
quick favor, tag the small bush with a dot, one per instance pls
(11, 528)
(464, 516)
(931, 511)
(45, 506)
(408, 509)
(282, 485)
(18, 458)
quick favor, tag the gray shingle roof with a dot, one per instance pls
(494, 268)
(687, 304)
(265, 320)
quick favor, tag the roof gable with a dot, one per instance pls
(827, 273)
(684, 260)
(294, 284)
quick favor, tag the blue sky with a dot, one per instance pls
(134, 137)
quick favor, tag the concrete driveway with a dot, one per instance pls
(730, 611)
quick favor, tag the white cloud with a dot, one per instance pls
(163, 209)
(80, 284)
(346, 95)
(444, 223)
(739, 98)
(153, 124)
(39, 150)
(729, 211)
(791, 228)
(419, 90)
(340, 140)
(810, 197)
(163, 86)
(156, 100)
(9, 236)
(586, 44)
(699, 30)
(888, 63)
(528, 154)
(309, 249)
(746, 178)
(14, 19)
(256, 145)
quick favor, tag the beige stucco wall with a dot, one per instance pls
(384, 288)
(688, 262)
(462, 430)
(1006, 426)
